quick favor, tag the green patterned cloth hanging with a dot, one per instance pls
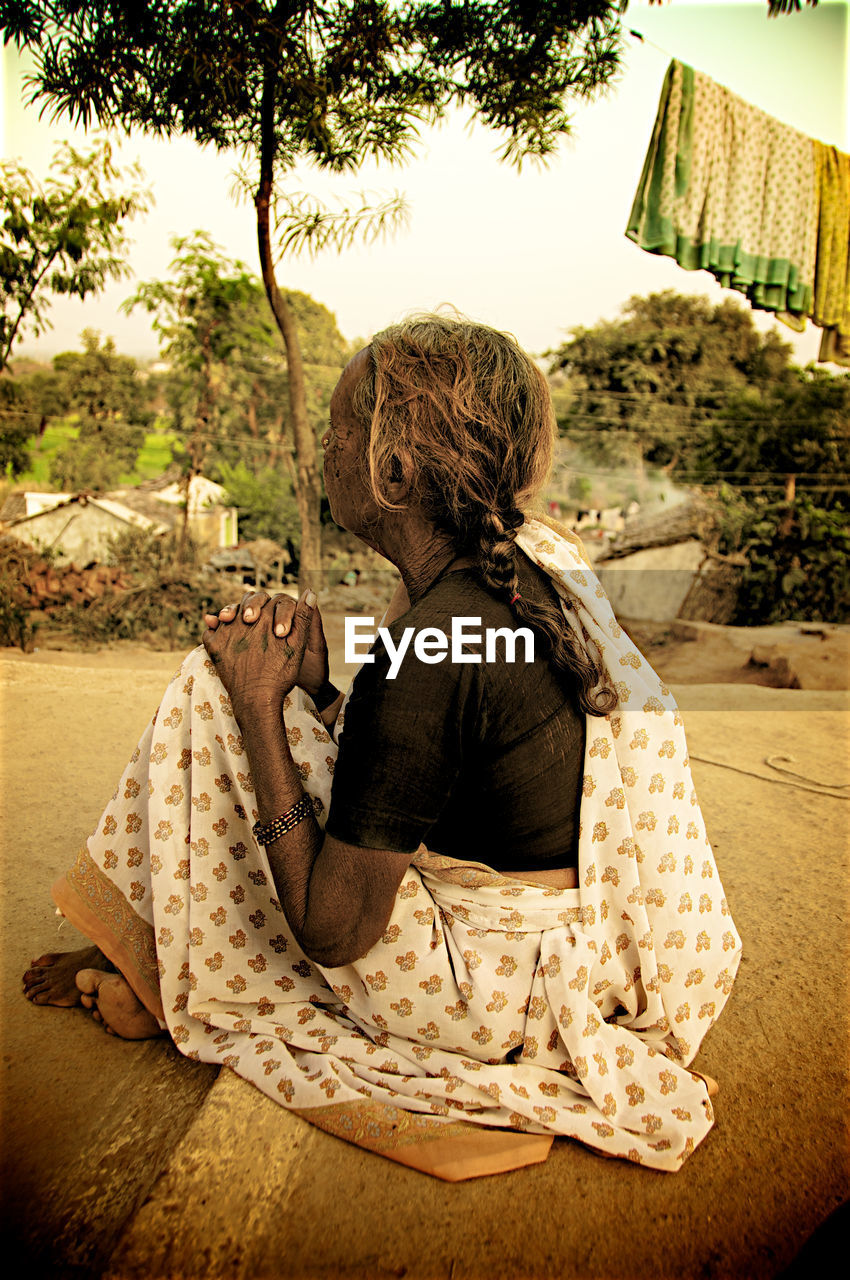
(728, 189)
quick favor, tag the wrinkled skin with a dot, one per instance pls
(264, 647)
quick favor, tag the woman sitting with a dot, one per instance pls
(481, 890)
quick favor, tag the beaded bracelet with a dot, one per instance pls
(267, 833)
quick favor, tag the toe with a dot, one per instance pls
(88, 981)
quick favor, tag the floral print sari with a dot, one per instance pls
(494, 1014)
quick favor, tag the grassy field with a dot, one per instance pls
(154, 457)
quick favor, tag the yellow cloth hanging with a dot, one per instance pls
(832, 271)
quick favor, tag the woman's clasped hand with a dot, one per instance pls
(265, 647)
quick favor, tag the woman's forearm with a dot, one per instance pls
(277, 786)
(334, 908)
(334, 905)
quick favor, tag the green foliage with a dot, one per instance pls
(799, 427)
(266, 503)
(16, 427)
(28, 401)
(205, 309)
(64, 236)
(343, 80)
(109, 400)
(228, 389)
(207, 316)
(320, 339)
(798, 560)
(647, 387)
(155, 456)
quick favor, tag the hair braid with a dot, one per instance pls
(496, 554)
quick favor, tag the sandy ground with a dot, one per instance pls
(126, 1160)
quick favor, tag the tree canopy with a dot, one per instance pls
(228, 379)
(334, 83)
(63, 236)
(646, 388)
(692, 388)
(103, 390)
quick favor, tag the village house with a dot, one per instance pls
(79, 526)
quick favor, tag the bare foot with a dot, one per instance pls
(51, 979)
(114, 1003)
(710, 1083)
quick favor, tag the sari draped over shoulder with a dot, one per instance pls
(494, 1014)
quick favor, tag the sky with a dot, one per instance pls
(536, 252)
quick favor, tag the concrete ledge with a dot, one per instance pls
(103, 1137)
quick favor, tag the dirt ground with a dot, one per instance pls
(125, 1160)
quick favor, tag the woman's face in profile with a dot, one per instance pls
(343, 443)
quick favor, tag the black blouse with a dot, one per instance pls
(481, 761)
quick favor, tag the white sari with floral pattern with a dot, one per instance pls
(493, 1014)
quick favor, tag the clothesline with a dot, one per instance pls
(667, 54)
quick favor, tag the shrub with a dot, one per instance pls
(797, 560)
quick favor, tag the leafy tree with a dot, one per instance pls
(16, 427)
(792, 435)
(201, 315)
(647, 387)
(28, 400)
(64, 236)
(334, 83)
(103, 389)
(266, 502)
(227, 389)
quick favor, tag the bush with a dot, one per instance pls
(797, 560)
(17, 626)
(166, 603)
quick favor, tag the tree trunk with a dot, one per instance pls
(199, 440)
(307, 486)
(787, 522)
(252, 412)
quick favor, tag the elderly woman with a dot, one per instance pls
(474, 906)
